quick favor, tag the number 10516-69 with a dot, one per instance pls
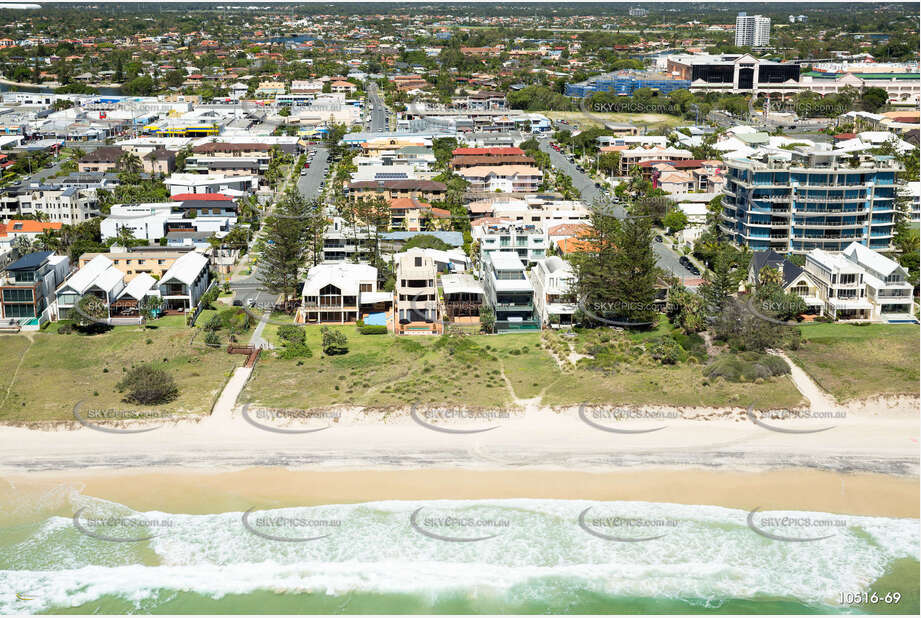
(854, 598)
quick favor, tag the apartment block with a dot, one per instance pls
(817, 200)
(752, 30)
(526, 240)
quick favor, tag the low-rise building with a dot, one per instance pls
(27, 289)
(333, 293)
(182, 286)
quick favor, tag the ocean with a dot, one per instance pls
(457, 557)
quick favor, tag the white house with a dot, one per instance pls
(210, 183)
(527, 240)
(840, 285)
(182, 286)
(887, 286)
(553, 279)
(336, 292)
(99, 278)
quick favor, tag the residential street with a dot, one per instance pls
(667, 258)
(378, 111)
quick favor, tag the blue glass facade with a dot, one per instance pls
(798, 209)
(625, 86)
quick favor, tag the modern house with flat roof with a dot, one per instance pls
(27, 289)
(553, 280)
(462, 296)
(509, 292)
(417, 310)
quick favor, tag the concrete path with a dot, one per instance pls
(223, 408)
(256, 338)
(819, 400)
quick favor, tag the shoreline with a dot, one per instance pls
(177, 490)
(881, 438)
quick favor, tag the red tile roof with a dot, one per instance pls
(27, 226)
(488, 151)
(212, 197)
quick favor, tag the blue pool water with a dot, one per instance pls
(376, 319)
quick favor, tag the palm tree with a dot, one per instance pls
(130, 165)
(125, 237)
(48, 241)
(22, 245)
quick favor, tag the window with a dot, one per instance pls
(17, 295)
(848, 279)
(418, 261)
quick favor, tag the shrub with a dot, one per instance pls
(212, 339)
(214, 323)
(65, 329)
(746, 367)
(235, 319)
(292, 334)
(667, 351)
(295, 350)
(148, 384)
(373, 329)
(334, 341)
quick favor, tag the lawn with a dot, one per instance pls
(855, 362)
(652, 120)
(57, 371)
(487, 371)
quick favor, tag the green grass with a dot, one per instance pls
(57, 371)
(388, 371)
(652, 120)
(855, 362)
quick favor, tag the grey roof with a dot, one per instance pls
(30, 261)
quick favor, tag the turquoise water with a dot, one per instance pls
(376, 319)
(391, 557)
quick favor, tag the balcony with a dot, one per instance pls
(514, 307)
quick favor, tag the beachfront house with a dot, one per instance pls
(184, 283)
(340, 292)
(509, 292)
(417, 295)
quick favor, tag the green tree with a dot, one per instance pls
(334, 341)
(487, 319)
(675, 220)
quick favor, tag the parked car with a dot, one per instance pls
(304, 172)
(658, 238)
(237, 302)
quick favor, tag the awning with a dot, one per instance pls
(370, 298)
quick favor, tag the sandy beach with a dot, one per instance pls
(882, 438)
(198, 492)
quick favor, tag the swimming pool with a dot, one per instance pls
(376, 319)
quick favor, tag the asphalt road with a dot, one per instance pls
(309, 183)
(249, 287)
(667, 259)
(378, 111)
